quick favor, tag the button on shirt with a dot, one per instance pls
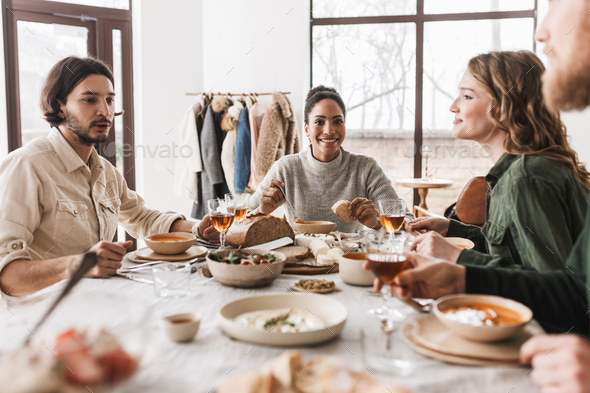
(52, 204)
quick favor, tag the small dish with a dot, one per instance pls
(351, 269)
(324, 227)
(170, 243)
(347, 247)
(294, 287)
(181, 327)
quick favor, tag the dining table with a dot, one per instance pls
(204, 363)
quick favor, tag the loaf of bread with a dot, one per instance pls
(340, 208)
(258, 229)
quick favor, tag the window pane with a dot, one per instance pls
(120, 4)
(458, 6)
(40, 46)
(346, 8)
(448, 46)
(374, 69)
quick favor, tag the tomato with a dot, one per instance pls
(265, 261)
(246, 263)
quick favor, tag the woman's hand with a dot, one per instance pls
(434, 245)
(208, 231)
(365, 212)
(271, 197)
(559, 362)
(426, 224)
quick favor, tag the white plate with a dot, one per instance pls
(332, 312)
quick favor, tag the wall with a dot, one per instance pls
(3, 118)
(168, 62)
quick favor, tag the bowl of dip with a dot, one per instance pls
(170, 243)
(482, 318)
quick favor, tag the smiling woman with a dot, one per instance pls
(325, 173)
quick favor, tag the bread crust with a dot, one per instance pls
(340, 208)
(258, 229)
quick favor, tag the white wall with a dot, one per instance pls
(168, 62)
(3, 118)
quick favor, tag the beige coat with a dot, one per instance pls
(278, 136)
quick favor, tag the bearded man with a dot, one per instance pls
(59, 198)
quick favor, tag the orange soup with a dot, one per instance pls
(482, 314)
(462, 245)
(166, 238)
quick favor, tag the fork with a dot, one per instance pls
(295, 217)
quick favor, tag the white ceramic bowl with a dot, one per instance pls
(351, 269)
(246, 276)
(332, 312)
(460, 242)
(171, 247)
(347, 247)
(324, 227)
(482, 333)
(181, 327)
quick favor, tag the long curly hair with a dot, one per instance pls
(513, 80)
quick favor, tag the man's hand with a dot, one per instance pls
(559, 362)
(365, 212)
(208, 231)
(426, 224)
(109, 257)
(426, 278)
(434, 245)
(271, 197)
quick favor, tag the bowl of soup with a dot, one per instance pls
(351, 269)
(460, 242)
(482, 318)
(170, 243)
(324, 227)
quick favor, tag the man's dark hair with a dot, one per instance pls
(63, 77)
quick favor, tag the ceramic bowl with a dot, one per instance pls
(351, 269)
(185, 241)
(181, 327)
(482, 333)
(324, 227)
(460, 242)
(246, 276)
(333, 313)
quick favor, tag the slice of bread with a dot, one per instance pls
(294, 253)
(340, 208)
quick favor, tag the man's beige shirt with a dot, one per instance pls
(52, 204)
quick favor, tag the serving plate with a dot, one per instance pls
(330, 311)
(294, 287)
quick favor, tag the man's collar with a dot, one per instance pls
(501, 166)
(67, 154)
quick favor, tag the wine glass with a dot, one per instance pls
(392, 213)
(386, 259)
(220, 218)
(238, 204)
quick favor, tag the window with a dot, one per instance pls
(397, 67)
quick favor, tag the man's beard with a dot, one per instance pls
(83, 133)
(567, 86)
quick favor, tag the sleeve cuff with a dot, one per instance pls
(164, 223)
(457, 229)
(472, 257)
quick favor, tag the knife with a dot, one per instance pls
(284, 241)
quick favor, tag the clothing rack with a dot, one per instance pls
(237, 94)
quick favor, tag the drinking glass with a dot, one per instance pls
(221, 218)
(386, 259)
(392, 213)
(383, 349)
(238, 204)
(172, 280)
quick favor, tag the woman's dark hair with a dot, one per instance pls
(63, 77)
(319, 93)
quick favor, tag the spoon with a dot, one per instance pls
(337, 233)
(88, 262)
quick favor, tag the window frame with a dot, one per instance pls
(420, 18)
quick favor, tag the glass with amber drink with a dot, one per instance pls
(392, 213)
(238, 205)
(386, 260)
(221, 218)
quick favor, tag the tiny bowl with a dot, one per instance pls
(324, 227)
(460, 242)
(347, 247)
(159, 244)
(181, 327)
(246, 276)
(482, 333)
(351, 269)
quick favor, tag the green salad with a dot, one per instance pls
(243, 258)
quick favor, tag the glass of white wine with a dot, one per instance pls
(221, 218)
(238, 205)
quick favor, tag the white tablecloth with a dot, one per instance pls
(203, 364)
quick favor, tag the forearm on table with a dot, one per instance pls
(22, 276)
